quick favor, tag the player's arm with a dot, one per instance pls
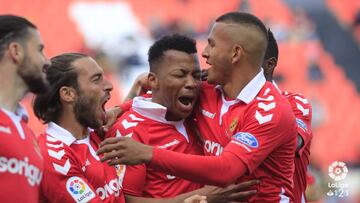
(242, 155)
(303, 113)
(64, 181)
(238, 193)
(228, 165)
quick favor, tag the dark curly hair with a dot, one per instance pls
(170, 42)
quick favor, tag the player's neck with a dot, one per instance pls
(238, 80)
(13, 88)
(69, 122)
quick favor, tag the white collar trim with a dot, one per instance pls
(157, 112)
(277, 87)
(60, 133)
(249, 92)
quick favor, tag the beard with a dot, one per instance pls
(85, 111)
(35, 81)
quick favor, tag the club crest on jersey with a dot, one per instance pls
(233, 125)
(247, 139)
(301, 124)
(79, 190)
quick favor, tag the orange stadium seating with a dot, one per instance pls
(344, 10)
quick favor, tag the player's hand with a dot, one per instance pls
(196, 199)
(111, 115)
(140, 86)
(233, 193)
(124, 150)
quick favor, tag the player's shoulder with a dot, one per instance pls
(269, 105)
(58, 157)
(300, 105)
(294, 97)
(127, 123)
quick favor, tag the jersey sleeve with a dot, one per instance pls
(264, 128)
(303, 112)
(63, 179)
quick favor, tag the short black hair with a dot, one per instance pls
(13, 28)
(243, 18)
(272, 48)
(61, 72)
(170, 42)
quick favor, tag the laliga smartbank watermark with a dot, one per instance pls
(338, 187)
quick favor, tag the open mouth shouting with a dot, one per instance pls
(186, 102)
(105, 99)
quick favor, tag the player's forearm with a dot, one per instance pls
(133, 199)
(210, 170)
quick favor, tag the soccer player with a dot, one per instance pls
(160, 120)
(244, 120)
(303, 113)
(75, 103)
(22, 62)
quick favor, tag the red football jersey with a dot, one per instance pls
(303, 113)
(73, 172)
(258, 127)
(146, 123)
(21, 164)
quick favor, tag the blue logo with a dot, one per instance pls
(301, 124)
(247, 139)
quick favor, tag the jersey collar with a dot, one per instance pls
(157, 112)
(60, 133)
(249, 92)
(276, 86)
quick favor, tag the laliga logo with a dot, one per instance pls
(338, 170)
(77, 187)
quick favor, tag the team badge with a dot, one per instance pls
(233, 125)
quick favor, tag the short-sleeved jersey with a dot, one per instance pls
(21, 164)
(259, 128)
(146, 123)
(303, 113)
(73, 172)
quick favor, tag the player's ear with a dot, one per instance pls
(67, 94)
(153, 81)
(237, 52)
(16, 52)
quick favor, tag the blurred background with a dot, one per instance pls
(319, 43)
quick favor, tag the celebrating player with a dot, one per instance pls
(22, 62)
(75, 103)
(303, 113)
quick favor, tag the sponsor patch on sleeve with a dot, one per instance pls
(301, 124)
(79, 190)
(247, 139)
